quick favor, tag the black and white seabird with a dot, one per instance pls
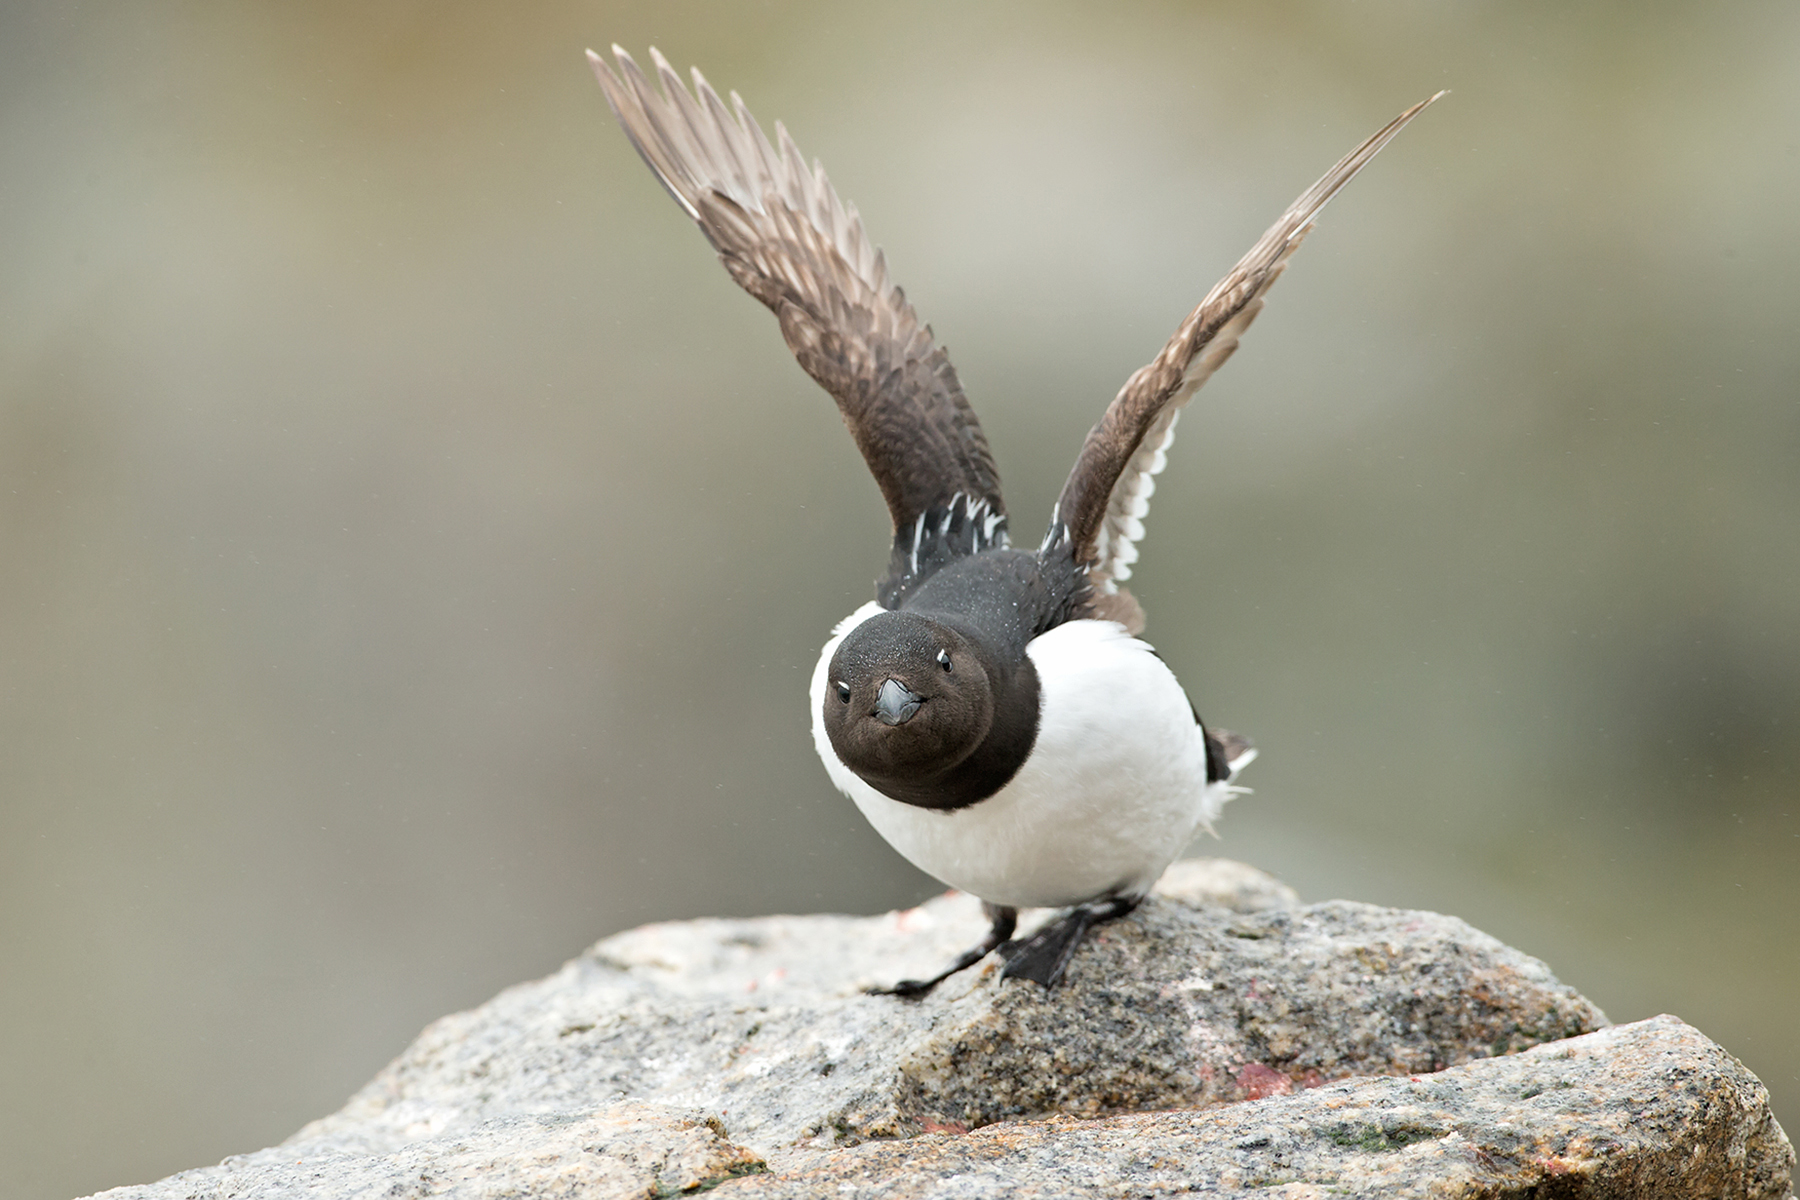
(992, 711)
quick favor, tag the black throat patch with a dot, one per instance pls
(992, 764)
(999, 601)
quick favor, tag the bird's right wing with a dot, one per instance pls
(787, 239)
(1099, 518)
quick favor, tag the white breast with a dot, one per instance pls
(1114, 788)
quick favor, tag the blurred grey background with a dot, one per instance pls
(413, 547)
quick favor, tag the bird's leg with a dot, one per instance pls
(1044, 956)
(1004, 921)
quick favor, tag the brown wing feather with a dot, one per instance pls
(1099, 517)
(788, 240)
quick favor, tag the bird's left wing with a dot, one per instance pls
(787, 239)
(1099, 517)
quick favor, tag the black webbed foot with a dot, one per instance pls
(1045, 955)
(1004, 921)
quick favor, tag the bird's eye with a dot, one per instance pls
(843, 691)
(944, 659)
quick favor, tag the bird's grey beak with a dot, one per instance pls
(896, 703)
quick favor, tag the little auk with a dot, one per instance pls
(992, 711)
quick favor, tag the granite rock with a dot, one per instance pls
(1648, 1111)
(684, 1055)
(764, 1022)
(623, 1150)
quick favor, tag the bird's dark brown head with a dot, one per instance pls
(923, 714)
(907, 699)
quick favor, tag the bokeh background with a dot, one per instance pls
(413, 547)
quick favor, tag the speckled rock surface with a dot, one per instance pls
(1649, 1111)
(623, 1150)
(698, 1051)
(1184, 1003)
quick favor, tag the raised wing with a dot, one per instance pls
(784, 235)
(1099, 518)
